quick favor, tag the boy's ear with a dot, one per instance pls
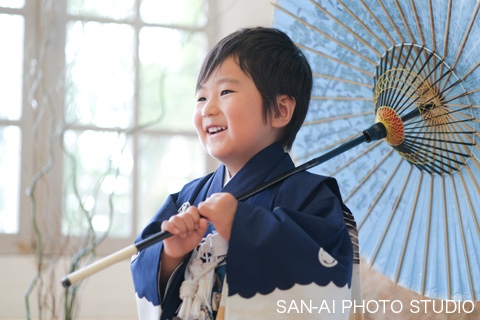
(286, 106)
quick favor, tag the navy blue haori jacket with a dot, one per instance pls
(289, 251)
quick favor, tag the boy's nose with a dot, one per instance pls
(209, 109)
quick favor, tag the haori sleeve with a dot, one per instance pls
(301, 240)
(145, 265)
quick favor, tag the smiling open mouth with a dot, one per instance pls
(214, 130)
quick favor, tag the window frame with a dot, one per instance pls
(49, 51)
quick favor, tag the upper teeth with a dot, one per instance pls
(215, 129)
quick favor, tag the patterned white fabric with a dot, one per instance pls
(196, 289)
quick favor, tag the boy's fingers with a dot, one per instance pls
(202, 227)
(192, 219)
(204, 209)
(185, 223)
(182, 226)
(170, 227)
(193, 212)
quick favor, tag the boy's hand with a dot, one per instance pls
(220, 209)
(187, 228)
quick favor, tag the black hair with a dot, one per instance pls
(275, 64)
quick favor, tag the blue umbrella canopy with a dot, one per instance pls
(413, 66)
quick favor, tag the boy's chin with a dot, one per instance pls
(219, 156)
(215, 152)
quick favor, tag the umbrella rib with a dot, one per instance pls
(414, 79)
(421, 133)
(412, 102)
(367, 176)
(346, 116)
(358, 156)
(363, 25)
(427, 238)
(388, 96)
(447, 31)
(346, 28)
(455, 112)
(360, 84)
(440, 94)
(399, 85)
(392, 214)
(403, 106)
(432, 25)
(471, 70)
(399, 90)
(474, 179)
(447, 251)
(457, 121)
(341, 44)
(323, 55)
(451, 112)
(430, 166)
(426, 152)
(463, 137)
(473, 91)
(404, 20)
(464, 243)
(401, 57)
(382, 190)
(409, 229)
(417, 20)
(379, 24)
(447, 28)
(464, 40)
(395, 26)
(441, 164)
(341, 98)
(467, 34)
(444, 91)
(441, 122)
(419, 27)
(434, 167)
(458, 96)
(411, 143)
(460, 105)
(391, 21)
(461, 124)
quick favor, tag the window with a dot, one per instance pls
(95, 116)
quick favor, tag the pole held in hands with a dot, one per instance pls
(375, 132)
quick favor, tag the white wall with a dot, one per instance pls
(109, 293)
(235, 14)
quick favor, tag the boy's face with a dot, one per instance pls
(229, 117)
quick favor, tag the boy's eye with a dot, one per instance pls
(224, 92)
(201, 99)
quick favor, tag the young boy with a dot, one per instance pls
(282, 253)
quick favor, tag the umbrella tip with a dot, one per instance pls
(66, 282)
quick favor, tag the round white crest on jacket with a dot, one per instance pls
(326, 259)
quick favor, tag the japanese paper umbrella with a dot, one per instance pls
(412, 66)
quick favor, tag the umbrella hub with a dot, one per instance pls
(393, 125)
(426, 112)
